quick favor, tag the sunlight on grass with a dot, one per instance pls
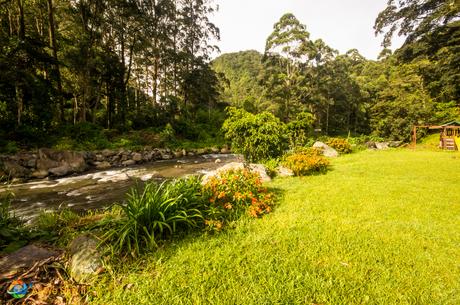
(380, 228)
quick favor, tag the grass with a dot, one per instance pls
(381, 228)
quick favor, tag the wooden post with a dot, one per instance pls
(414, 136)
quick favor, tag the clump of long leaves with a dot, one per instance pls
(155, 212)
(12, 231)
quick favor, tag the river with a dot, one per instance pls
(99, 189)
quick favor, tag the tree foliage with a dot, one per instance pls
(257, 136)
(124, 64)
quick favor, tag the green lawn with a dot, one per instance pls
(379, 228)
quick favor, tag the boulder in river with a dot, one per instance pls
(102, 165)
(137, 157)
(13, 169)
(50, 159)
(327, 150)
(60, 170)
(128, 163)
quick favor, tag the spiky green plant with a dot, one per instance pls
(156, 211)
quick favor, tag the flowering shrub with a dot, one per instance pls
(306, 161)
(232, 193)
(341, 145)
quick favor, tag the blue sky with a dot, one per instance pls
(342, 24)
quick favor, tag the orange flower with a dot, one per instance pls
(228, 206)
(221, 195)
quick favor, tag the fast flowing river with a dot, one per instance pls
(100, 189)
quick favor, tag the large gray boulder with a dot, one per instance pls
(327, 150)
(395, 144)
(85, 258)
(59, 161)
(382, 145)
(282, 171)
(24, 259)
(258, 168)
(60, 171)
(13, 169)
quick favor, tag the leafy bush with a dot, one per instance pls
(232, 193)
(341, 145)
(306, 161)
(257, 137)
(167, 134)
(156, 211)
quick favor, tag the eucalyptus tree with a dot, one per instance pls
(288, 50)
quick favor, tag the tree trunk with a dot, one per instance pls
(19, 83)
(52, 28)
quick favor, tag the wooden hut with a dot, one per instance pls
(449, 137)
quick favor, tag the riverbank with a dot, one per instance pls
(45, 162)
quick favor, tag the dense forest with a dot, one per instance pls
(136, 64)
(347, 93)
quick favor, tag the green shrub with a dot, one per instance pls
(257, 137)
(157, 211)
(12, 231)
(340, 145)
(168, 134)
(231, 194)
(306, 161)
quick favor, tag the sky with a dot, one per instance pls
(342, 24)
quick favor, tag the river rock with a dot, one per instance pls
(137, 157)
(261, 170)
(225, 150)
(100, 158)
(60, 170)
(108, 153)
(46, 164)
(382, 145)
(128, 163)
(215, 150)
(165, 154)
(178, 154)
(327, 150)
(202, 151)
(31, 163)
(102, 165)
(218, 161)
(50, 159)
(13, 169)
(395, 144)
(85, 258)
(283, 171)
(370, 145)
(24, 259)
(39, 174)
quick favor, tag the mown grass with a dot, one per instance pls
(379, 228)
